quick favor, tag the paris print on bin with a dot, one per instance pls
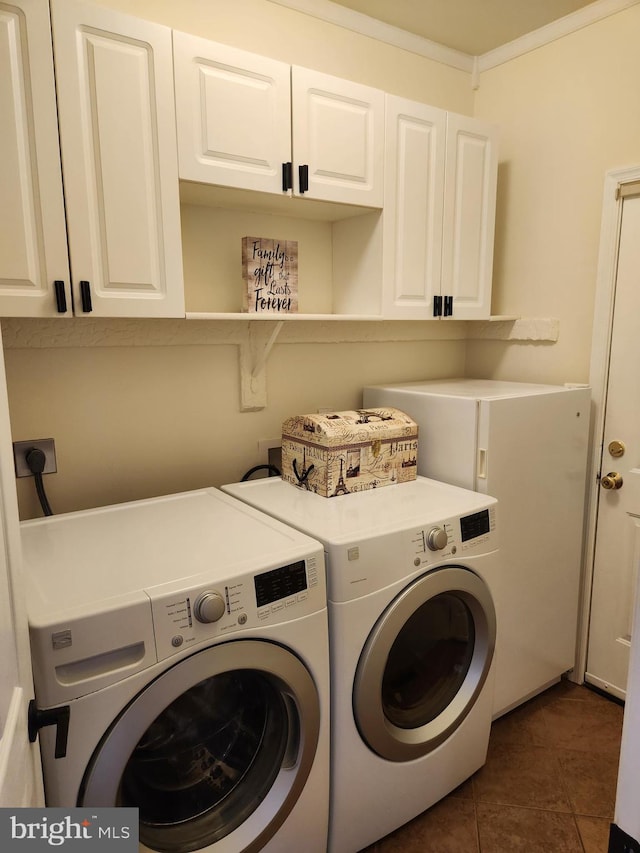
(270, 273)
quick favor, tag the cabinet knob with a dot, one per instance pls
(287, 177)
(61, 297)
(303, 178)
(85, 296)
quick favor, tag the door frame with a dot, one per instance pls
(598, 379)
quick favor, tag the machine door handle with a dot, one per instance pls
(611, 481)
(58, 717)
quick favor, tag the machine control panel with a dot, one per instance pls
(184, 619)
(466, 535)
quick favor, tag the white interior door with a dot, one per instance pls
(617, 548)
(20, 774)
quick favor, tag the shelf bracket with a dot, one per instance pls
(254, 354)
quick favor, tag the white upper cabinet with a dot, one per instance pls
(114, 78)
(34, 266)
(233, 115)
(254, 123)
(469, 215)
(338, 139)
(440, 196)
(414, 203)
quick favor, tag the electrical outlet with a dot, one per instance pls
(275, 457)
(21, 448)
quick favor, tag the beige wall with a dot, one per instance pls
(136, 412)
(568, 113)
(135, 415)
(133, 420)
(271, 30)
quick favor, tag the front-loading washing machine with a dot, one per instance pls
(180, 655)
(412, 570)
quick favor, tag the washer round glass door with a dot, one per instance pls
(221, 743)
(424, 663)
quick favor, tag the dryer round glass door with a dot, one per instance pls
(219, 746)
(425, 663)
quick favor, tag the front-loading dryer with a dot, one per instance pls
(180, 644)
(412, 573)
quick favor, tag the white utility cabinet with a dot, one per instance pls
(255, 123)
(440, 198)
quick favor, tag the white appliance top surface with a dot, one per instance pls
(479, 389)
(110, 552)
(349, 518)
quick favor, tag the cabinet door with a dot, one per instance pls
(233, 110)
(469, 216)
(33, 237)
(413, 207)
(338, 138)
(117, 126)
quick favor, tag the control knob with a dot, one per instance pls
(437, 539)
(209, 607)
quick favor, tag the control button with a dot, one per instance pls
(416, 562)
(264, 613)
(209, 607)
(289, 602)
(177, 641)
(242, 619)
(437, 539)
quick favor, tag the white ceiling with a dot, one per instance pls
(471, 26)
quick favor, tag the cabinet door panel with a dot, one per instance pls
(469, 216)
(338, 132)
(414, 192)
(233, 112)
(33, 239)
(119, 158)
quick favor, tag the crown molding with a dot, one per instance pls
(571, 23)
(333, 13)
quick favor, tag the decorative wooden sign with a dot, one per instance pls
(270, 273)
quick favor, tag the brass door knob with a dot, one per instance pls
(611, 481)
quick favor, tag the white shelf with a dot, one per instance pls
(204, 315)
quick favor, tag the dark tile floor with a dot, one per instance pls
(548, 785)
